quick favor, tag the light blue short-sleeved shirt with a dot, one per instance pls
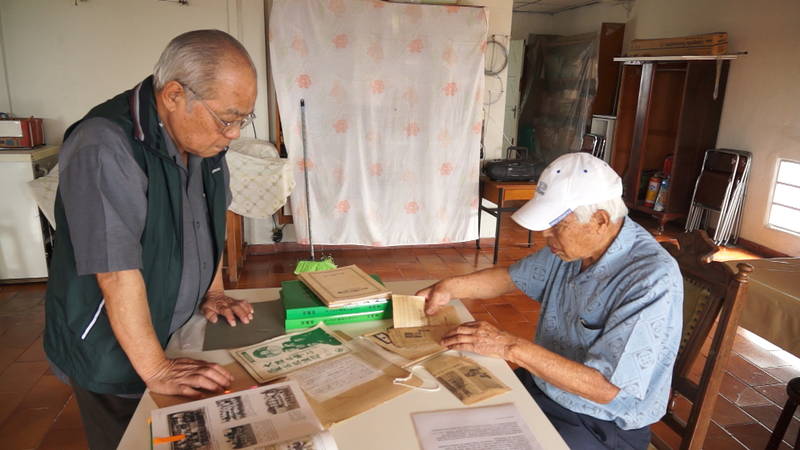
(621, 316)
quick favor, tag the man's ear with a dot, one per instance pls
(602, 218)
(172, 94)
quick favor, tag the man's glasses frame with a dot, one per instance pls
(226, 126)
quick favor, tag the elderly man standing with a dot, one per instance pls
(140, 217)
(611, 304)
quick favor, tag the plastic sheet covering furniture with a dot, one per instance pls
(260, 180)
(773, 301)
(560, 87)
(393, 96)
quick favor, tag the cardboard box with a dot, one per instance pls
(702, 44)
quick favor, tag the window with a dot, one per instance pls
(784, 211)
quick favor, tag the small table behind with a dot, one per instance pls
(500, 192)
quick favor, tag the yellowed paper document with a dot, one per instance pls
(409, 311)
(465, 378)
(332, 377)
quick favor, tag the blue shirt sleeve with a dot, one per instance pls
(630, 344)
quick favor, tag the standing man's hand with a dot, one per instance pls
(184, 376)
(217, 303)
(482, 338)
(436, 297)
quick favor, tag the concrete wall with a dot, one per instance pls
(62, 59)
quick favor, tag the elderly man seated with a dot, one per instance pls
(611, 304)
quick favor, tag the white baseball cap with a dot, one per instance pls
(572, 180)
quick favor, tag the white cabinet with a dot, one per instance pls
(22, 246)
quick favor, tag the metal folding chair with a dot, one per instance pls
(719, 191)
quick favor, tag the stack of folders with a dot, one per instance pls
(305, 301)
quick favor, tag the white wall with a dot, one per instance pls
(589, 18)
(62, 59)
(761, 113)
(523, 24)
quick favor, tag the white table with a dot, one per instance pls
(387, 426)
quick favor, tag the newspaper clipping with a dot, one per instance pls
(252, 419)
(274, 358)
(465, 378)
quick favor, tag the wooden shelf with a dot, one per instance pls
(635, 59)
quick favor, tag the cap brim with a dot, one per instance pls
(538, 215)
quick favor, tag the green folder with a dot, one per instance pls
(294, 324)
(300, 302)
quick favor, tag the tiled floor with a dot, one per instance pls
(38, 412)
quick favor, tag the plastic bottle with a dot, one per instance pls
(663, 193)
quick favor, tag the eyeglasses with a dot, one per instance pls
(226, 126)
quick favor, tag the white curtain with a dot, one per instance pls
(393, 96)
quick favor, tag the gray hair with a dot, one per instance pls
(615, 208)
(194, 58)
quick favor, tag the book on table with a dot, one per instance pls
(306, 322)
(343, 286)
(300, 302)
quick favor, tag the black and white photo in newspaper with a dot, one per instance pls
(252, 419)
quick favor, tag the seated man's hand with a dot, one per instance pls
(184, 376)
(219, 304)
(436, 297)
(480, 337)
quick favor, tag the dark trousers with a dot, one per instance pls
(580, 431)
(104, 416)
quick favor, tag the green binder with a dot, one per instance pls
(294, 324)
(300, 302)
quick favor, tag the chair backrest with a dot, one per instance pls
(713, 292)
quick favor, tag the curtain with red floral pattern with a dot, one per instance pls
(393, 96)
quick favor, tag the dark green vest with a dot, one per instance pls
(78, 338)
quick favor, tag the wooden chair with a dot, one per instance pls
(712, 292)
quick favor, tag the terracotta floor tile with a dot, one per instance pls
(21, 336)
(48, 392)
(523, 303)
(726, 413)
(34, 353)
(430, 259)
(715, 430)
(768, 415)
(64, 439)
(474, 305)
(666, 434)
(8, 403)
(413, 271)
(775, 392)
(484, 316)
(753, 435)
(69, 417)
(722, 442)
(784, 374)
(21, 376)
(25, 428)
(9, 355)
(765, 359)
(739, 393)
(505, 313)
(532, 316)
(748, 373)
